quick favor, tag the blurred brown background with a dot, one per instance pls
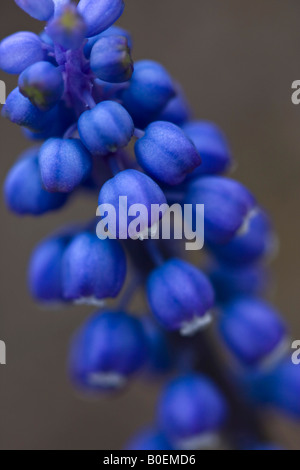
(237, 61)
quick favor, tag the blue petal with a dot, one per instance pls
(105, 128)
(257, 242)
(93, 268)
(112, 31)
(20, 50)
(43, 84)
(212, 146)
(150, 90)
(252, 330)
(67, 28)
(45, 270)
(178, 293)
(189, 407)
(139, 189)
(227, 204)
(64, 164)
(111, 60)
(99, 15)
(177, 110)
(39, 9)
(19, 110)
(166, 153)
(23, 190)
(107, 350)
(231, 281)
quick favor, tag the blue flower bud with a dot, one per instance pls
(99, 15)
(180, 296)
(64, 164)
(111, 59)
(117, 31)
(61, 119)
(20, 50)
(212, 146)
(93, 268)
(43, 84)
(39, 9)
(68, 28)
(23, 190)
(177, 110)
(105, 128)
(159, 349)
(232, 281)
(255, 242)
(112, 31)
(281, 388)
(150, 90)
(108, 349)
(45, 270)
(149, 439)
(252, 331)
(228, 206)
(21, 111)
(138, 188)
(191, 408)
(166, 153)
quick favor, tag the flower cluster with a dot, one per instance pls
(82, 100)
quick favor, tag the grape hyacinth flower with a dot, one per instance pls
(281, 388)
(277, 388)
(68, 29)
(149, 92)
(111, 59)
(160, 351)
(41, 10)
(43, 84)
(99, 15)
(45, 268)
(228, 207)
(124, 132)
(166, 153)
(20, 110)
(252, 330)
(112, 31)
(107, 350)
(92, 269)
(191, 412)
(235, 281)
(64, 164)
(251, 245)
(180, 296)
(177, 110)
(23, 188)
(19, 51)
(105, 128)
(127, 189)
(211, 144)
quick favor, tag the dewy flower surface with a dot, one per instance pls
(100, 121)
